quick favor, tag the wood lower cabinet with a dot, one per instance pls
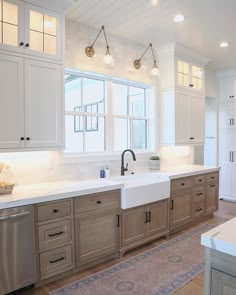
(97, 228)
(181, 208)
(212, 197)
(144, 223)
(192, 199)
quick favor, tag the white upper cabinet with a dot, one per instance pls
(189, 118)
(227, 89)
(30, 30)
(189, 75)
(182, 96)
(11, 102)
(42, 32)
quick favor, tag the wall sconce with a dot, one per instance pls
(137, 62)
(89, 50)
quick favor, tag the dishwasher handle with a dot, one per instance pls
(13, 216)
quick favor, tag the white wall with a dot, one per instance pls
(124, 52)
(210, 84)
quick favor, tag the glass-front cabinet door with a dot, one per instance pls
(43, 32)
(197, 77)
(11, 25)
(183, 72)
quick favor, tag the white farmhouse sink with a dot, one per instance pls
(143, 188)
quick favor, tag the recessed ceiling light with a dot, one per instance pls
(224, 44)
(154, 2)
(179, 18)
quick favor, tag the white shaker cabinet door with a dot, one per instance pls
(43, 104)
(182, 118)
(196, 119)
(11, 102)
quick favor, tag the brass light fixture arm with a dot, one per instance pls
(137, 62)
(89, 50)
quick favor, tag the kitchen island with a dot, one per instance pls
(220, 259)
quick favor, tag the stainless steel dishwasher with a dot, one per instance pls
(17, 249)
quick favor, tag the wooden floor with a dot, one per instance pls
(226, 211)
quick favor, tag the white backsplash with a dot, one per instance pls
(36, 167)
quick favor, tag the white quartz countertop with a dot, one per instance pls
(51, 191)
(185, 171)
(222, 238)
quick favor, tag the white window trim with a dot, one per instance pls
(109, 154)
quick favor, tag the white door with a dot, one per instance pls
(226, 116)
(225, 89)
(12, 25)
(226, 146)
(196, 119)
(43, 104)
(43, 32)
(182, 118)
(233, 177)
(225, 179)
(11, 102)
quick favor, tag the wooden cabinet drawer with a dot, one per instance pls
(212, 177)
(199, 180)
(181, 183)
(97, 201)
(53, 234)
(199, 193)
(56, 261)
(53, 210)
(199, 208)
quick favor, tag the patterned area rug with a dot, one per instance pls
(159, 271)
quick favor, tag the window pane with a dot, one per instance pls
(50, 44)
(36, 41)
(95, 134)
(10, 34)
(93, 95)
(0, 10)
(50, 25)
(139, 135)
(120, 134)
(10, 13)
(73, 93)
(137, 102)
(120, 99)
(73, 137)
(36, 21)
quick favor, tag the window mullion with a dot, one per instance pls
(109, 119)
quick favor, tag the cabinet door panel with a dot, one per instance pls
(222, 283)
(11, 25)
(43, 104)
(12, 102)
(211, 197)
(225, 179)
(158, 214)
(197, 119)
(43, 30)
(225, 89)
(227, 145)
(133, 225)
(181, 208)
(97, 236)
(182, 118)
(226, 116)
(233, 178)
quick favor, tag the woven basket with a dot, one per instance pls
(6, 189)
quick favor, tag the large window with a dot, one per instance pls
(105, 116)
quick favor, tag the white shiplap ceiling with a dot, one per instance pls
(207, 23)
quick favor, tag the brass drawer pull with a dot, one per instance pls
(55, 210)
(182, 183)
(212, 185)
(200, 180)
(56, 234)
(172, 205)
(99, 202)
(199, 194)
(57, 260)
